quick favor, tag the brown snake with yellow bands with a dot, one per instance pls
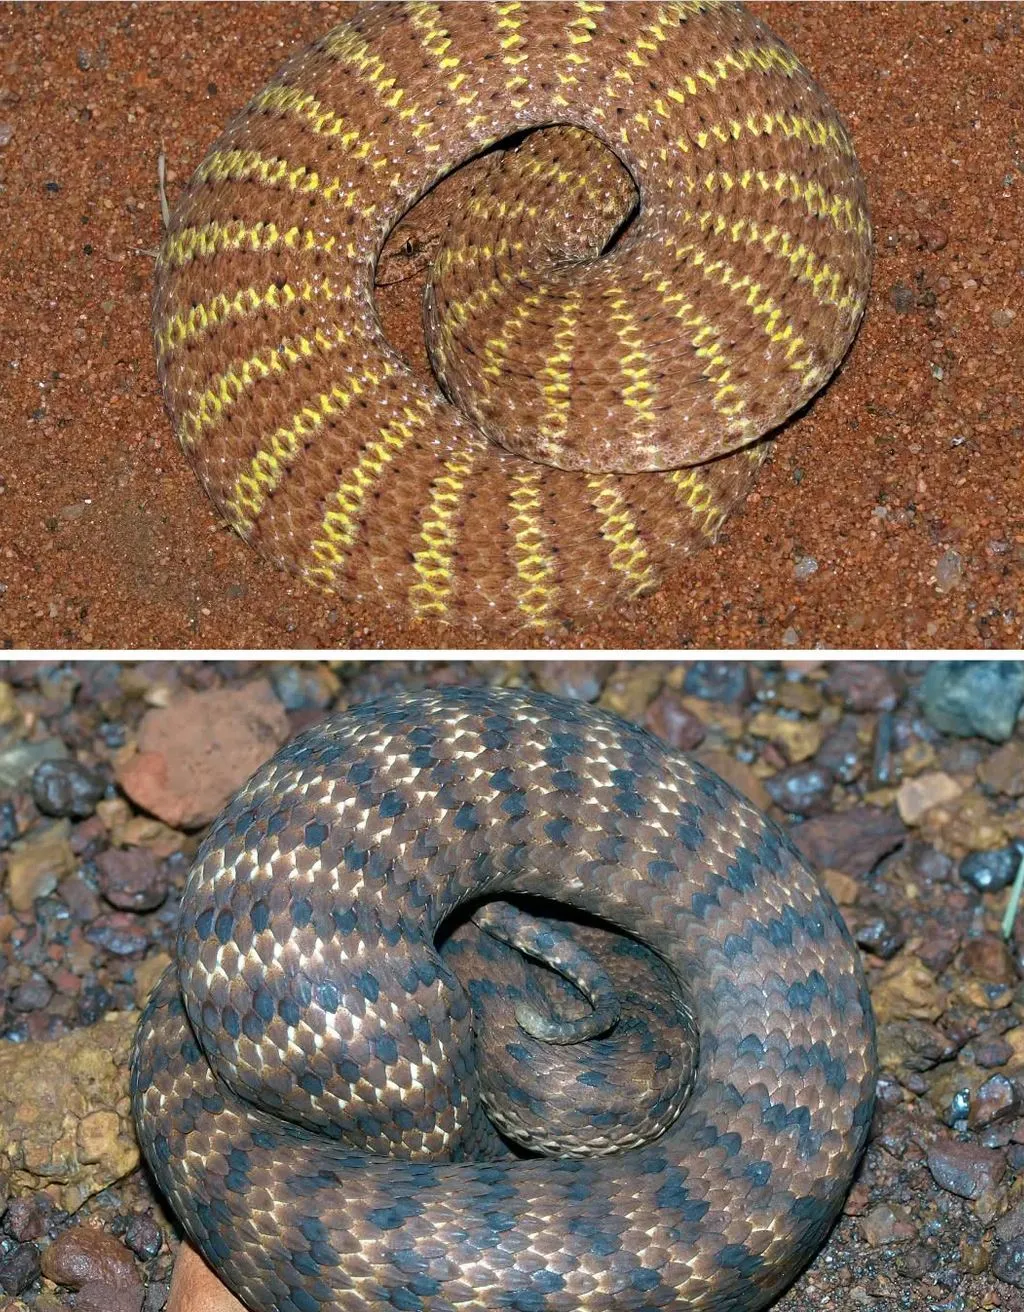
(310, 1079)
(619, 305)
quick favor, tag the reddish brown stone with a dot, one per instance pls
(851, 841)
(83, 1255)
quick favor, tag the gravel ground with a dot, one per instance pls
(881, 521)
(902, 782)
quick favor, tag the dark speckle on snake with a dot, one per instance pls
(660, 251)
(489, 1000)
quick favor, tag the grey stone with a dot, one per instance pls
(19, 763)
(974, 697)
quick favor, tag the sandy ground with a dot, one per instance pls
(890, 515)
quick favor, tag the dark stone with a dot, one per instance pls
(987, 957)
(1008, 1262)
(881, 753)
(842, 752)
(931, 864)
(673, 723)
(719, 681)
(94, 1002)
(143, 1237)
(82, 1256)
(79, 897)
(25, 1219)
(991, 1051)
(801, 789)
(157, 1293)
(862, 686)
(67, 788)
(913, 1045)
(902, 298)
(886, 1223)
(583, 681)
(963, 1169)
(19, 1268)
(938, 946)
(118, 933)
(131, 879)
(916, 1261)
(98, 1296)
(1011, 1225)
(958, 756)
(996, 1100)
(32, 994)
(879, 932)
(301, 688)
(8, 825)
(974, 697)
(19, 762)
(988, 872)
(996, 1135)
(114, 735)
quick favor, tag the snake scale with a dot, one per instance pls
(657, 249)
(312, 1081)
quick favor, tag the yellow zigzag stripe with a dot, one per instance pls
(458, 313)
(496, 348)
(227, 388)
(480, 207)
(764, 59)
(510, 43)
(433, 561)
(579, 32)
(213, 238)
(269, 171)
(698, 498)
(827, 284)
(708, 347)
(628, 554)
(557, 371)
(348, 47)
(639, 390)
(279, 451)
(650, 36)
(470, 253)
(840, 211)
(532, 556)
(341, 523)
(437, 41)
(817, 132)
(201, 318)
(291, 102)
(760, 304)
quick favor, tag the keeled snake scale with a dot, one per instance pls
(614, 324)
(307, 967)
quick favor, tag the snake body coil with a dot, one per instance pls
(305, 1079)
(621, 302)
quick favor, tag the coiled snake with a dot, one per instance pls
(619, 304)
(305, 1079)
